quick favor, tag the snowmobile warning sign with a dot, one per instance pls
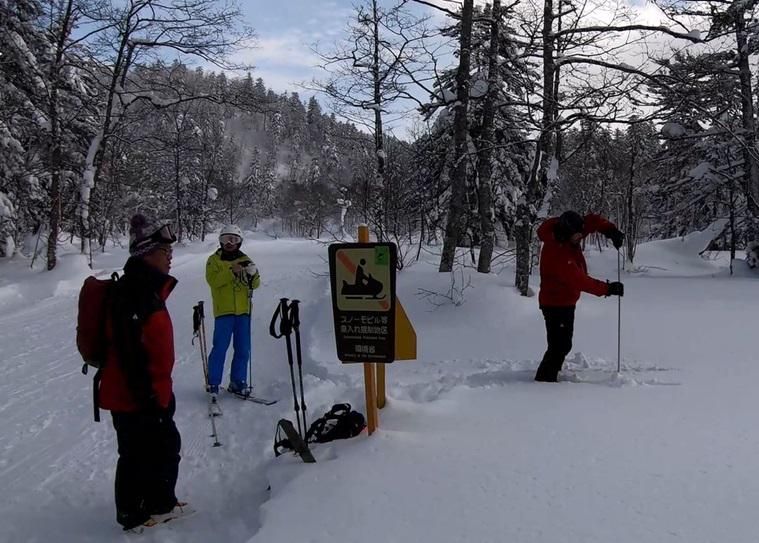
(362, 276)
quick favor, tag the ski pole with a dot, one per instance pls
(295, 321)
(215, 434)
(250, 340)
(198, 329)
(619, 316)
(285, 329)
(204, 347)
(203, 343)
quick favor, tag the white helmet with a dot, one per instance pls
(230, 229)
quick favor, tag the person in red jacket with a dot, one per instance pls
(136, 384)
(563, 276)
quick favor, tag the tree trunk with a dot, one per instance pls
(93, 161)
(178, 185)
(485, 193)
(458, 181)
(747, 111)
(63, 28)
(732, 228)
(632, 233)
(378, 134)
(55, 180)
(528, 206)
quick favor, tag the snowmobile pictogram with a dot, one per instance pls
(364, 287)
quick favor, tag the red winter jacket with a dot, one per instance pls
(137, 374)
(563, 271)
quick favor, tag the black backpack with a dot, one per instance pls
(340, 422)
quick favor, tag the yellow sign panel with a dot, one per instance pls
(363, 279)
(405, 335)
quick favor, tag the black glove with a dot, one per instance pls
(616, 237)
(616, 289)
(152, 412)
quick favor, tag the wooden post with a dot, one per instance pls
(370, 385)
(381, 397)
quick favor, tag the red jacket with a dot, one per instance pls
(137, 374)
(563, 271)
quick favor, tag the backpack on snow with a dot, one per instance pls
(94, 302)
(340, 422)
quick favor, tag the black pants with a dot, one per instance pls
(559, 329)
(148, 465)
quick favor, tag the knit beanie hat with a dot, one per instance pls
(569, 223)
(145, 235)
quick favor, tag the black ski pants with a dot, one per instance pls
(559, 330)
(148, 465)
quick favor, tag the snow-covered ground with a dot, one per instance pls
(469, 448)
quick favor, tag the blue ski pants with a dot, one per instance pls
(224, 328)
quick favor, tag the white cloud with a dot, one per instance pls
(284, 51)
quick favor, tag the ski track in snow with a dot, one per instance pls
(484, 373)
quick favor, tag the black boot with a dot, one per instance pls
(544, 376)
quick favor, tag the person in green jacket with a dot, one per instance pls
(232, 276)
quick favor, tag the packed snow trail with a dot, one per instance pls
(57, 465)
(469, 448)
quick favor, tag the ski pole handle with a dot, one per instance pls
(280, 313)
(295, 314)
(197, 317)
(273, 324)
(285, 325)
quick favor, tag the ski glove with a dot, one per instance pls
(616, 237)
(251, 280)
(250, 275)
(616, 289)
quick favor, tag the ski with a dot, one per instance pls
(252, 398)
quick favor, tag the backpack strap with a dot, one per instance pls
(316, 430)
(281, 444)
(338, 409)
(96, 393)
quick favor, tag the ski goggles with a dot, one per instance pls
(230, 239)
(166, 250)
(165, 234)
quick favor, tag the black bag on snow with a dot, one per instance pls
(340, 422)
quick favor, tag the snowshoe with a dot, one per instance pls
(181, 510)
